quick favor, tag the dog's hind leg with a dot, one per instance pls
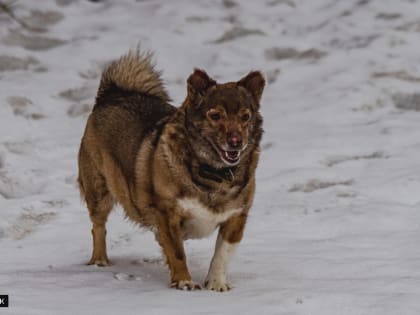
(99, 202)
(99, 211)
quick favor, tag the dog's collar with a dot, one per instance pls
(217, 174)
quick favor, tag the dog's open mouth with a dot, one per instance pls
(230, 157)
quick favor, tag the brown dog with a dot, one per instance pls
(182, 172)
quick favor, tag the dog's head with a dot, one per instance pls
(225, 117)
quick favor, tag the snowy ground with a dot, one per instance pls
(335, 228)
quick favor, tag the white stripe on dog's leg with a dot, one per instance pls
(216, 278)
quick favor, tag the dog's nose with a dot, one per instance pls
(234, 140)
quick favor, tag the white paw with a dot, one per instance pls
(103, 262)
(185, 285)
(218, 284)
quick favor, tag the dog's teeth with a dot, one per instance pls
(231, 155)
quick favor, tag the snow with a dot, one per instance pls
(335, 226)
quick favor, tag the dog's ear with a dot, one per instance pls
(254, 82)
(198, 83)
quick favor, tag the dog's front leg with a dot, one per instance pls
(230, 234)
(169, 237)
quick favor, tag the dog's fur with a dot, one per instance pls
(182, 172)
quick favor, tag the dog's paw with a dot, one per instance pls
(185, 285)
(217, 284)
(104, 262)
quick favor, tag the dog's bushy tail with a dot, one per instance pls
(134, 72)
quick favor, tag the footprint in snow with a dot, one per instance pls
(197, 19)
(24, 107)
(149, 261)
(63, 3)
(34, 215)
(19, 147)
(290, 3)
(388, 16)
(371, 106)
(235, 33)
(229, 4)
(32, 42)
(12, 63)
(126, 277)
(344, 194)
(27, 222)
(413, 26)
(18, 183)
(334, 160)
(399, 75)
(355, 42)
(408, 102)
(78, 94)
(282, 53)
(316, 184)
(40, 20)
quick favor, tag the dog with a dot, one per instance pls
(181, 172)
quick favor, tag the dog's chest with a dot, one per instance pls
(201, 221)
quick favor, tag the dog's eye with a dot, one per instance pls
(245, 117)
(215, 116)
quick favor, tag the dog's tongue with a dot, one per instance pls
(231, 155)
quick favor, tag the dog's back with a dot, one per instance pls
(131, 102)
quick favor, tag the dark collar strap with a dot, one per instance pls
(217, 174)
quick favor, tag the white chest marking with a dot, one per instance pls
(202, 221)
